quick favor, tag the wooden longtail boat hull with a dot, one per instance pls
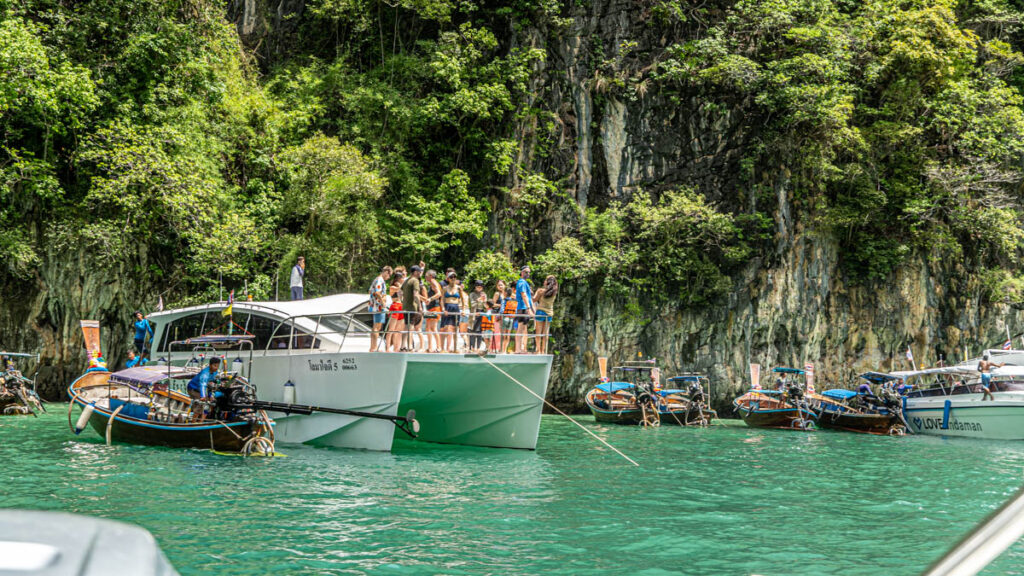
(211, 434)
(226, 437)
(762, 411)
(863, 423)
(634, 417)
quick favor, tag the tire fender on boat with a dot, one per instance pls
(83, 419)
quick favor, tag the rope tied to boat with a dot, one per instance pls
(555, 408)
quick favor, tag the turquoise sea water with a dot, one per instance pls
(726, 500)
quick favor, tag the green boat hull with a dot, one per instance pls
(464, 399)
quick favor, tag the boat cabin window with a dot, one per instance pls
(261, 327)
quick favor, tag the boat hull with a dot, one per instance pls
(226, 437)
(863, 423)
(671, 418)
(365, 382)
(762, 411)
(968, 416)
(464, 399)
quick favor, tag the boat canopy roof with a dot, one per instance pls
(839, 394)
(146, 376)
(788, 370)
(634, 368)
(609, 387)
(687, 378)
(218, 339)
(18, 355)
(325, 305)
(878, 377)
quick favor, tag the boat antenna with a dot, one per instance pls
(555, 408)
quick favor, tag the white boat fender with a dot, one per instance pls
(83, 419)
(289, 392)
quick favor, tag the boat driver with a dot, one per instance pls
(200, 386)
(985, 367)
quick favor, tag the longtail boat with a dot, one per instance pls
(145, 405)
(17, 393)
(636, 398)
(861, 411)
(141, 405)
(784, 407)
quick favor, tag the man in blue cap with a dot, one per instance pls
(200, 386)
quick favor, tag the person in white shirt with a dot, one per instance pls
(298, 273)
(379, 304)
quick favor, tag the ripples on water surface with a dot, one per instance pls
(728, 500)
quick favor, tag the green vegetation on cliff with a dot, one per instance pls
(362, 132)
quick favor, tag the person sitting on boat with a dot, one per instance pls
(985, 367)
(200, 386)
(133, 360)
(781, 383)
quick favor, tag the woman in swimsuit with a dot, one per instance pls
(452, 298)
(397, 324)
(433, 316)
(497, 304)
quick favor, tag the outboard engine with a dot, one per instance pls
(795, 392)
(696, 393)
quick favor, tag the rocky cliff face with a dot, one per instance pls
(792, 305)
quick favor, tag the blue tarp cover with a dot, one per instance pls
(788, 370)
(667, 392)
(878, 377)
(610, 387)
(839, 394)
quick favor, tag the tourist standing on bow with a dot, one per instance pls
(478, 306)
(508, 320)
(433, 315)
(412, 298)
(545, 299)
(143, 332)
(298, 274)
(397, 322)
(452, 298)
(378, 304)
(498, 305)
(524, 308)
(985, 367)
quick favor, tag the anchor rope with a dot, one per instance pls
(555, 408)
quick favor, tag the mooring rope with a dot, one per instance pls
(555, 408)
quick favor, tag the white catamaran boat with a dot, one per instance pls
(317, 352)
(948, 401)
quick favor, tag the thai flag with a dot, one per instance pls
(910, 355)
(809, 375)
(1008, 345)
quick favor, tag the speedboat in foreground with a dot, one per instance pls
(59, 544)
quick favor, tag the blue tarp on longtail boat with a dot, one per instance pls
(610, 387)
(839, 394)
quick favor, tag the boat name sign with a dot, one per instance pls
(936, 424)
(331, 365)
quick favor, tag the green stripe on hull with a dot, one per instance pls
(465, 400)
